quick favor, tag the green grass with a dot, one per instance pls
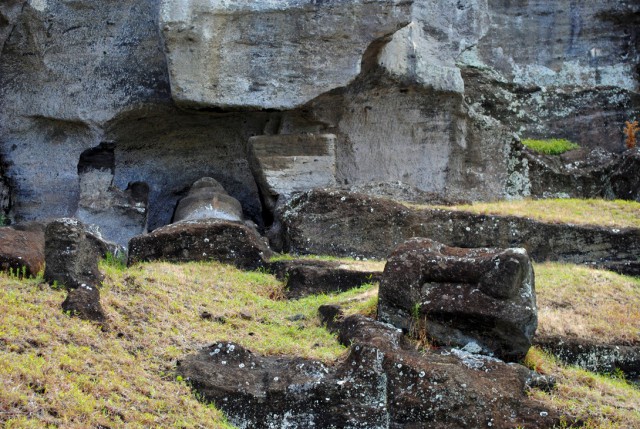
(607, 213)
(550, 146)
(60, 371)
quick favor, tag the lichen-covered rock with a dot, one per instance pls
(22, 249)
(72, 253)
(625, 179)
(334, 222)
(383, 383)
(460, 297)
(202, 240)
(592, 356)
(282, 53)
(207, 199)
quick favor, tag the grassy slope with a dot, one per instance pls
(58, 370)
(597, 305)
(600, 306)
(617, 213)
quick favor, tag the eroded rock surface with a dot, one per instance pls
(383, 383)
(84, 302)
(202, 240)
(72, 252)
(282, 53)
(333, 222)
(118, 214)
(479, 298)
(597, 357)
(305, 277)
(284, 164)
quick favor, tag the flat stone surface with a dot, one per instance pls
(284, 164)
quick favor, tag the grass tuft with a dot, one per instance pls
(550, 146)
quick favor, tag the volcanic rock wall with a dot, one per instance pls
(428, 92)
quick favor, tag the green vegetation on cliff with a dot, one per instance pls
(550, 146)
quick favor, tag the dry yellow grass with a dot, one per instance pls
(608, 213)
(593, 304)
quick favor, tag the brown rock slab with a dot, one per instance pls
(202, 240)
(22, 249)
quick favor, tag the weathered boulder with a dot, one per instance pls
(284, 164)
(282, 54)
(207, 199)
(22, 249)
(84, 302)
(333, 222)
(202, 240)
(305, 277)
(383, 383)
(475, 298)
(72, 253)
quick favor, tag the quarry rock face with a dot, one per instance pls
(118, 214)
(202, 240)
(480, 299)
(557, 69)
(284, 164)
(207, 199)
(427, 93)
(382, 383)
(282, 53)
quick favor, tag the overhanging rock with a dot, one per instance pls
(282, 53)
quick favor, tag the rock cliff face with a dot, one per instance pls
(427, 92)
